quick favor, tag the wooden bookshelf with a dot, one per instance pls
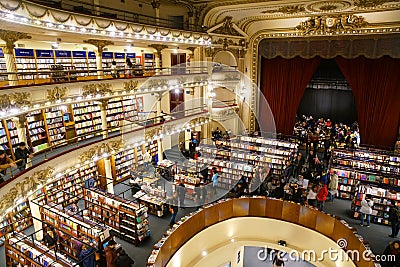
(115, 114)
(153, 199)
(91, 59)
(3, 67)
(72, 225)
(4, 140)
(28, 252)
(121, 163)
(127, 218)
(130, 108)
(12, 134)
(25, 62)
(87, 117)
(55, 125)
(36, 129)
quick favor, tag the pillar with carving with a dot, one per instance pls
(156, 6)
(109, 179)
(10, 37)
(20, 125)
(99, 44)
(103, 114)
(158, 55)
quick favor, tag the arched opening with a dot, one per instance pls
(328, 95)
(226, 58)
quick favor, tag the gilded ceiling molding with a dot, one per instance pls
(57, 93)
(24, 188)
(150, 133)
(15, 100)
(158, 48)
(131, 86)
(7, 5)
(287, 9)
(10, 37)
(324, 6)
(332, 24)
(100, 44)
(210, 51)
(95, 89)
(57, 16)
(227, 27)
(372, 3)
(99, 150)
(155, 4)
(36, 12)
(155, 83)
(80, 20)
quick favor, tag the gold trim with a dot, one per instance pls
(10, 37)
(100, 44)
(99, 150)
(94, 89)
(15, 100)
(56, 93)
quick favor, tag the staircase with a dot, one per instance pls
(175, 155)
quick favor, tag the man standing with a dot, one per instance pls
(394, 218)
(5, 163)
(22, 154)
(333, 186)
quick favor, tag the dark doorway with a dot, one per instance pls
(176, 100)
(328, 95)
(177, 61)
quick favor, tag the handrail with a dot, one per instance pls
(331, 227)
(104, 135)
(113, 13)
(92, 74)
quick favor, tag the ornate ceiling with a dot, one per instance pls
(255, 15)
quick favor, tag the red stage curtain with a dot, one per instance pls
(283, 82)
(376, 87)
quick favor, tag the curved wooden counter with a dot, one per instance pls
(322, 223)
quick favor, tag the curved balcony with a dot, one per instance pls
(189, 240)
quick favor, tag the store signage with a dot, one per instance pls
(92, 55)
(130, 55)
(148, 56)
(63, 53)
(22, 52)
(107, 55)
(77, 54)
(44, 53)
(119, 55)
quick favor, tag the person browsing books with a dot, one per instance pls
(5, 163)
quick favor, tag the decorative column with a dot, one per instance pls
(241, 54)
(99, 44)
(103, 114)
(109, 179)
(156, 6)
(19, 122)
(158, 55)
(10, 37)
(96, 8)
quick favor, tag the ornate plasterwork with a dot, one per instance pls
(15, 100)
(131, 85)
(226, 113)
(99, 150)
(23, 188)
(287, 9)
(57, 93)
(324, 6)
(150, 133)
(95, 89)
(227, 27)
(99, 44)
(331, 24)
(158, 48)
(372, 3)
(10, 37)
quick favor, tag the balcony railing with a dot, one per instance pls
(113, 13)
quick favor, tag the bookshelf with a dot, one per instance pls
(382, 198)
(91, 59)
(120, 60)
(121, 162)
(152, 148)
(13, 132)
(68, 188)
(64, 58)
(361, 166)
(4, 142)
(87, 117)
(18, 220)
(107, 57)
(148, 61)
(127, 218)
(130, 108)
(28, 252)
(44, 61)
(36, 129)
(55, 125)
(72, 225)
(153, 199)
(115, 114)
(25, 62)
(3, 67)
(80, 62)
